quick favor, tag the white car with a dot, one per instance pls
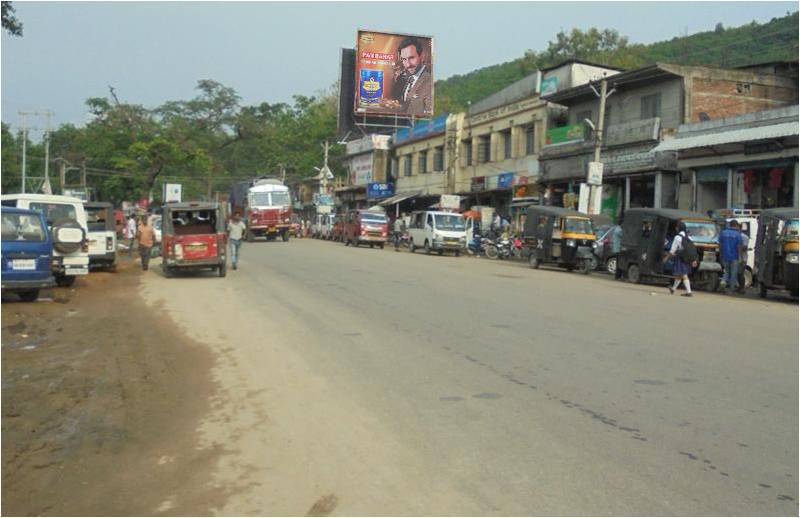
(66, 220)
(436, 231)
(102, 234)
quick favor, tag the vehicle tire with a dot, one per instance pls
(611, 265)
(28, 295)
(65, 281)
(441, 252)
(458, 253)
(793, 291)
(67, 247)
(285, 236)
(222, 270)
(633, 274)
(168, 272)
(380, 246)
(533, 261)
(372, 245)
(412, 247)
(587, 266)
(427, 247)
(713, 282)
(594, 263)
(491, 252)
(345, 241)
(249, 236)
(762, 290)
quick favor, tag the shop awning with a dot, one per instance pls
(397, 198)
(786, 129)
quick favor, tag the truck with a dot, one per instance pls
(266, 206)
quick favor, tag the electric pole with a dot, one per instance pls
(595, 190)
(24, 148)
(46, 188)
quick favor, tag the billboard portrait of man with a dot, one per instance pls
(394, 75)
(413, 81)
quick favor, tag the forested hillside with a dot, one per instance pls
(723, 47)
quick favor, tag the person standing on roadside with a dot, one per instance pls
(130, 233)
(680, 269)
(147, 238)
(236, 230)
(730, 247)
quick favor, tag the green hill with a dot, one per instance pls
(748, 44)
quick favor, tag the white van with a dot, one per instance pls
(437, 231)
(66, 220)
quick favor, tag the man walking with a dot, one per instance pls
(130, 233)
(730, 245)
(236, 230)
(147, 238)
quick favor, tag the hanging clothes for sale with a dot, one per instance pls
(775, 178)
(749, 180)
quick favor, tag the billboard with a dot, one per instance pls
(394, 75)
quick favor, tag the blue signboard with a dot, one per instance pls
(422, 129)
(505, 180)
(379, 190)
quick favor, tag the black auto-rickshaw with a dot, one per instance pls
(647, 236)
(558, 235)
(193, 237)
(776, 251)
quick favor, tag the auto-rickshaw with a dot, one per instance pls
(193, 238)
(558, 235)
(647, 236)
(776, 251)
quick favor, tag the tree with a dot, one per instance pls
(10, 23)
(719, 28)
(585, 45)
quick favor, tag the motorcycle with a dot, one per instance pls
(401, 240)
(477, 246)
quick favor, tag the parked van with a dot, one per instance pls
(102, 234)
(66, 220)
(365, 226)
(437, 231)
(27, 253)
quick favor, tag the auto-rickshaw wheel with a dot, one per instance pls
(533, 261)
(586, 266)
(168, 273)
(633, 274)
(285, 236)
(762, 290)
(222, 270)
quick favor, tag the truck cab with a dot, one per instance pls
(269, 211)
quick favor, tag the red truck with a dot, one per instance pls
(266, 205)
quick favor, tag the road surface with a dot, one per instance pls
(361, 381)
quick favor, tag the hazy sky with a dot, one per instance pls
(152, 52)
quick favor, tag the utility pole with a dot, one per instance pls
(24, 147)
(595, 190)
(46, 188)
(24, 115)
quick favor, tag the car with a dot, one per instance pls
(27, 253)
(102, 234)
(67, 223)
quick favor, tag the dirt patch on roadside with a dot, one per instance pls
(101, 400)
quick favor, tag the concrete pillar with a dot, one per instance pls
(729, 193)
(657, 190)
(627, 192)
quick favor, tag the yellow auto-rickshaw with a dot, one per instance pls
(560, 236)
(776, 250)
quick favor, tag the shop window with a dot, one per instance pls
(423, 162)
(651, 106)
(407, 165)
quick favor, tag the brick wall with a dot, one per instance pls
(720, 98)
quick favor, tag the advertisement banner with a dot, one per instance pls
(422, 130)
(172, 192)
(361, 169)
(549, 86)
(450, 201)
(505, 180)
(394, 74)
(379, 190)
(565, 134)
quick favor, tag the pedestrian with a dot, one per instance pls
(147, 238)
(683, 260)
(730, 247)
(130, 233)
(616, 247)
(236, 230)
(399, 228)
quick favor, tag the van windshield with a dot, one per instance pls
(702, 231)
(55, 211)
(454, 222)
(22, 227)
(578, 226)
(371, 217)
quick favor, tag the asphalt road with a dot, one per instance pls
(366, 381)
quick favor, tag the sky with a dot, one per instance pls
(152, 52)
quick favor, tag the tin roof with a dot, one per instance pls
(786, 129)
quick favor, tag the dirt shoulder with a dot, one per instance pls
(101, 400)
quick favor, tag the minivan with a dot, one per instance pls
(366, 226)
(27, 253)
(437, 231)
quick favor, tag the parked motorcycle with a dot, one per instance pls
(401, 240)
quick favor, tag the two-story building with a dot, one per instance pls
(367, 162)
(646, 106)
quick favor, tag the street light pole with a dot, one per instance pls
(599, 137)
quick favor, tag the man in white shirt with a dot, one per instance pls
(236, 231)
(130, 233)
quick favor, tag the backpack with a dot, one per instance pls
(688, 252)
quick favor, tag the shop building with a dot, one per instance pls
(367, 162)
(646, 107)
(745, 162)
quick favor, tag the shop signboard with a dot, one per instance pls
(394, 74)
(565, 135)
(505, 180)
(379, 190)
(594, 175)
(172, 192)
(422, 130)
(450, 201)
(478, 183)
(549, 86)
(361, 169)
